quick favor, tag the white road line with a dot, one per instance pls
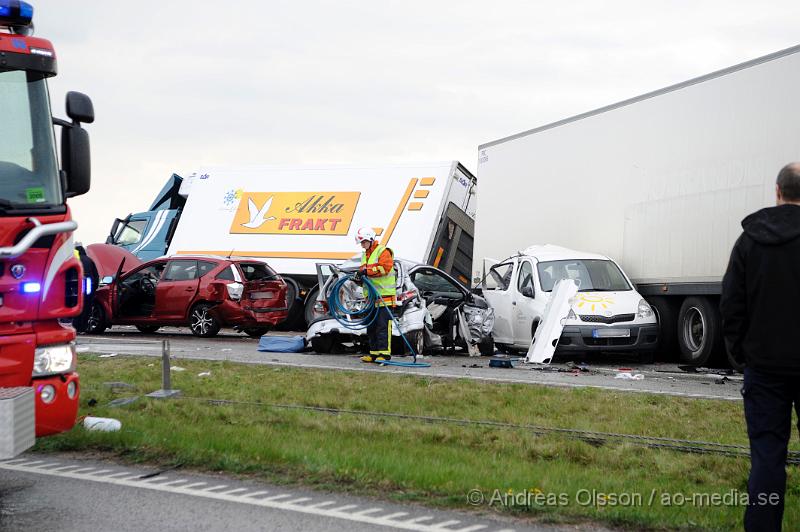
(85, 470)
(102, 472)
(176, 482)
(321, 504)
(440, 526)
(257, 493)
(395, 515)
(217, 487)
(153, 479)
(470, 528)
(276, 497)
(343, 508)
(195, 485)
(298, 500)
(369, 511)
(133, 481)
(237, 490)
(118, 475)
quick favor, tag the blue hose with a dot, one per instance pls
(363, 317)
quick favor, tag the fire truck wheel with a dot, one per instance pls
(96, 322)
(202, 321)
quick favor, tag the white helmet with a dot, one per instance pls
(364, 234)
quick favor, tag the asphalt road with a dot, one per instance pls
(600, 371)
(50, 492)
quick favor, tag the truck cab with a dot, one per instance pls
(148, 234)
(40, 277)
(607, 314)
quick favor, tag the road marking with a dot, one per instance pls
(135, 481)
(470, 528)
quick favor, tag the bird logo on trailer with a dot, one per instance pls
(295, 213)
(258, 216)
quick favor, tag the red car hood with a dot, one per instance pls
(107, 259)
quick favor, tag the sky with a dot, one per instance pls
(188, 83)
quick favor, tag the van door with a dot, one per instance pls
(529, 304)
(498, 289)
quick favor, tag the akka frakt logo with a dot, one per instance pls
(295, 213)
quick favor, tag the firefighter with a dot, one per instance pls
(377, 264)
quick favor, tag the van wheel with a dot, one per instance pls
(255, 332)
(698, 330)
(202, 322)
(96, 322)
(148, 329)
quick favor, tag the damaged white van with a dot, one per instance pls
(607, 314)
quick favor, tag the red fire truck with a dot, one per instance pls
(41, 280)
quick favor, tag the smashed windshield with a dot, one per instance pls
(28, 167)
(592, 275)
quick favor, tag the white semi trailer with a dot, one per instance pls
(659, 182)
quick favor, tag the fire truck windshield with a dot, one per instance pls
(29, 176)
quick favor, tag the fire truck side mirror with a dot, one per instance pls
(80, 108)
(75, 159)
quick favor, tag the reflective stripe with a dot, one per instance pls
(385, 284)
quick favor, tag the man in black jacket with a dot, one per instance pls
(760, 321)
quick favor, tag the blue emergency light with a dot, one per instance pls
(31, 288)
(87, 286)
(15, 13)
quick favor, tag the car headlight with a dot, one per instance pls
(644, 310)
(54, 359)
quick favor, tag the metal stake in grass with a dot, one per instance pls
(166, 390)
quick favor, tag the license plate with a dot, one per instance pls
(611, 333)
(262, 295)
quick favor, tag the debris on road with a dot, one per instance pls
(177, 368)
(101, 424)
(630, 376)
(204, 374)
(109, 355)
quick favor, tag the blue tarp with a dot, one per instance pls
(282, 344)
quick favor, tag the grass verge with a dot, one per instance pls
(551, 478)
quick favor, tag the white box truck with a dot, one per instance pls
(659, 182)
(296, 216)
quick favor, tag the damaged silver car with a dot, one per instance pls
(435, 312)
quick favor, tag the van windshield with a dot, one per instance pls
(592, 275)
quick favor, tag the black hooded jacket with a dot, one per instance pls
(760, 301)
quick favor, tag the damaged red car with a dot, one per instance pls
(203, 293)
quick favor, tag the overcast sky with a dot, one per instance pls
(194, 82)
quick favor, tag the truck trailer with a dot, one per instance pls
(41, 280)
(293, 217)
(659, 182)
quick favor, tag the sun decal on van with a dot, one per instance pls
(593, 301)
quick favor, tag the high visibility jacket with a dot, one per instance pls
(385, 281)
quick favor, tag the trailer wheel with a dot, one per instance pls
(148, 329)
(96, 322)
(666, 311)
(308, 307)
(202, 322)
(698, 330)
(294, 319)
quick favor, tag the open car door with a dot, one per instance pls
(497, 288)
